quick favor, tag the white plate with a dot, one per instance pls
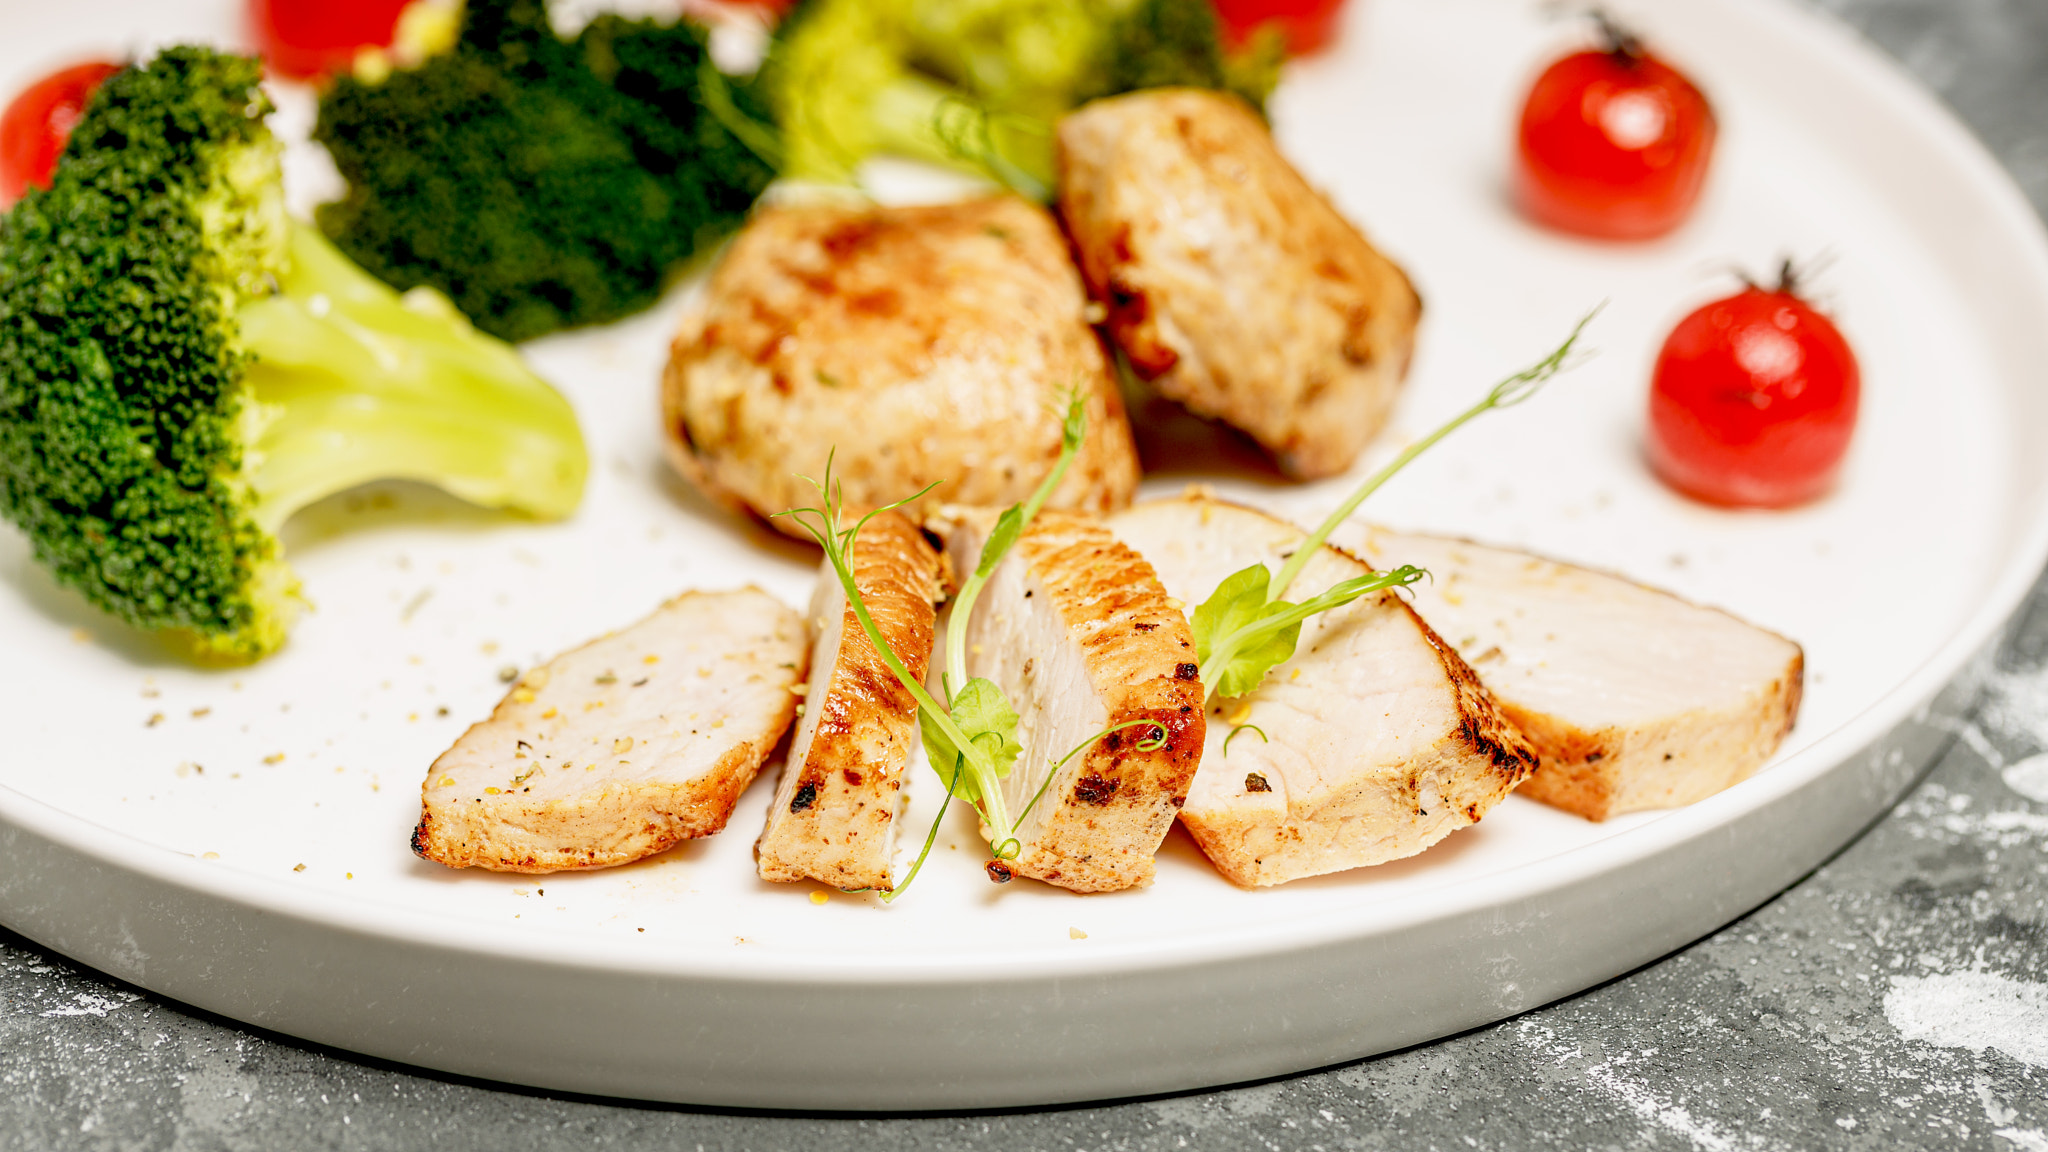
(685, 978)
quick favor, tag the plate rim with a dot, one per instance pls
(1918, 112)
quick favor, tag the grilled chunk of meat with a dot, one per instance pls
(1076, 630)
(1231, 284)
(624, 747)
(834, 815)
(1378, 740)
(923, 344)
(1634, 698)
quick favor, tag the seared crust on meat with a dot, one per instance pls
(1375, 739)
(1231, 284)
(833, 818)
(622, 748)
(1634, 698)
(1077, 631)
(924, 344)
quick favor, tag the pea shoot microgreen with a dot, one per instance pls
(1245, 629)
(971, 738)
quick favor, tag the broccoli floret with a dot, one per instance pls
(182, 367)
(541, 183)
(982, 81)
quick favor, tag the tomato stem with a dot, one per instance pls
(1618, 40)
(1788, 277)
(1792, 277)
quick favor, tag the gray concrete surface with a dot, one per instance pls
(1896, 998)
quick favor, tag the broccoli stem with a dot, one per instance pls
(352, 383)
(925, 120)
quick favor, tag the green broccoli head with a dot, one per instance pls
(981, 82)
(182, 367)
(541, 183)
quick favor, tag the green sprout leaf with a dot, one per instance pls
(980, 711)
(1009, 526)
(1239, 639)
(1233, 639)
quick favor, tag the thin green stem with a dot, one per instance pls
(929, 838)
(1072, 431)
(1149, 744)
(838, 546)
(760, 139)
(1240, 728)
(1507, 393)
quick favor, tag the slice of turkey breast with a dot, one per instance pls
(1634, 698)
(1231, 284)
(1077, 631)
(624, 747)
(925, 344)
(834, 815)
(1378, 740)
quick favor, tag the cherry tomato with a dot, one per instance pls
(38, 122)
(303, 39)
(1614, 143)
(1753, 401)
(1308, 25)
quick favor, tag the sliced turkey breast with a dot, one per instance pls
(924, 344)
(624, 747)
(1374, 740)
(834, 815)
(1231, 284)
(1076, 630)
(1634, 698)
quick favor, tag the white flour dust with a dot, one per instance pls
(1974, 1010)
(1610, 1077)
(86, 1004)
(2029, 778)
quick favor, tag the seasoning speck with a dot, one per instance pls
(298, 867)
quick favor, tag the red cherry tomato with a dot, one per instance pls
(38, 122)
(1614, 144)
(1753, 401)
(1308, 25)
(307, 38)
